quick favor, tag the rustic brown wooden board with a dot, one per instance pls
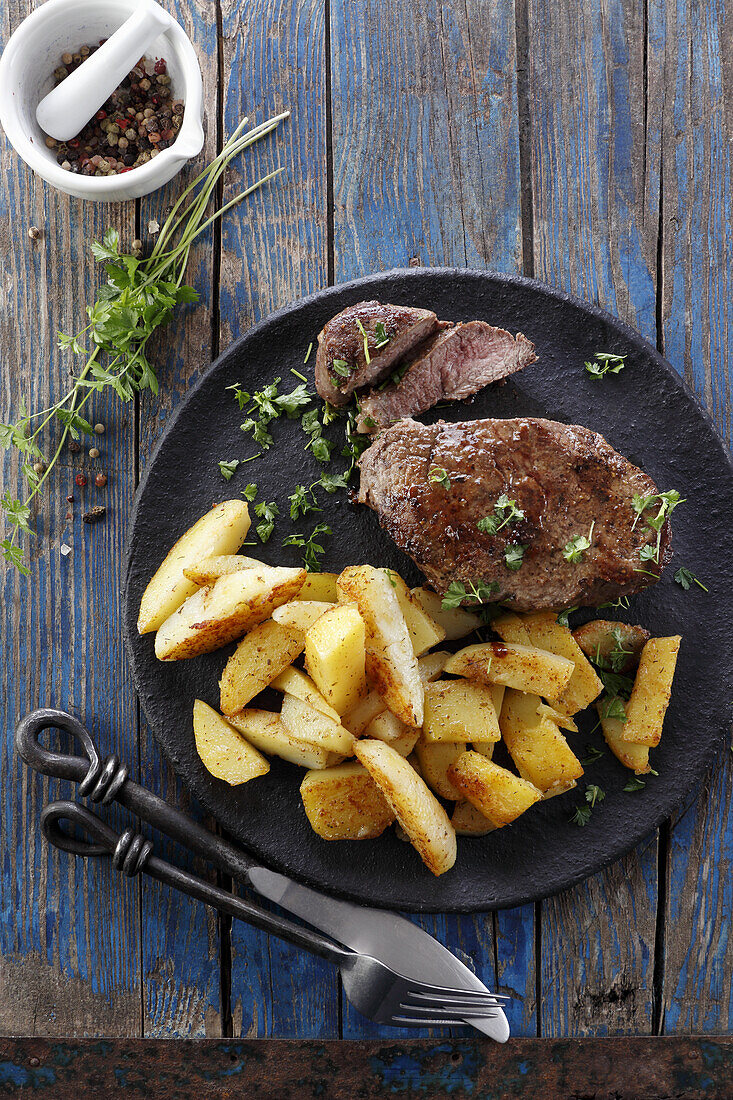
(465, 1069)
(595, 190)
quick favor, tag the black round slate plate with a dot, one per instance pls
(646, 413)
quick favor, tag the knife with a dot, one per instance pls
(387, 936)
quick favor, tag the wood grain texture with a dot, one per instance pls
(274, 250)
(426, 169)
(595, 188)
(696, 72)
(69, 939)
(181, 960)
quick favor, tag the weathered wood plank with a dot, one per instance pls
(180, 938)
(426, 169)
(697, 318)
(274, 250)
(595, 186)
(69, 941)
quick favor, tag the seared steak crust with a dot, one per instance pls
(448, 366)
(563, 477)
(342, 340)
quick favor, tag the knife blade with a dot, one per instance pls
(393, 939)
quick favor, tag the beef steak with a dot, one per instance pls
(391, 332)
(564, 478)
(451, 364)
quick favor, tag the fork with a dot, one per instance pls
(373, 988)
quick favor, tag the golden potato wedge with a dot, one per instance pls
(651, 692)
(511, 628)
(224, 752)
(468, 821)
(335, 656)
(391, 664)
(301, 614)
(560, 788)
(265, 731)
(456, 622)
(460, 710)
(357, 718)
(495, 792)
(258, 659)
(294, 682)
(564, 721)
(424, 631)
(601, 637)
(635, 757)
(220, 531)
(344, 803)
(539, 751)
(431, 665)
(486, 748)
(525, 668)
(225, 611)
(435, 758)
(209, 570)
(584, 685)
(387, 727)
(416, 807)
(320, 587)
(305, 723)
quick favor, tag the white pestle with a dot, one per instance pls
(67, 109)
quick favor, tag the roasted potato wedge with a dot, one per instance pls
(468, 821)
(214, 616)
(431, 665)
(258, 659)
(335, 656)
(294, 682)
(391, 664)
(564, 721)
(223, 751)
(540, 752)
(512, 628)
(435, 758)
(486, 748)
(416, 807)
(357, 718)
(424, 631)
(344, 803)
(387, 727)
(320, 587)
(460, 710)
(301, 614)
(601, 637)
(265, 731)
(305, 723)
(220, 531)
(525, 668)
(209, 570)
(495, 792)
(584, 685)
(651, 692)
(456, 622)
(635, 757)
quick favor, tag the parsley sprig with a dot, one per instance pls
(641, 504)
(312, 549)
(139, 296)
(438, 475)
(593, 795)
(458, 594)
(605, 362)
(268, 404)
(505, 511)
(685, 578)
(575, 548)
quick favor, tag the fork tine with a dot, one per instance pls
(432, 1021)
(455, 1002)
(440, 993)
(487, 1012)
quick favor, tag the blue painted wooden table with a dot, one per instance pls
(586, 144)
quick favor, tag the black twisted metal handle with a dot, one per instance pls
(132, 853)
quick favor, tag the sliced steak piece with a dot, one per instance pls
(391, 332)
(564, 478)
(448, 366)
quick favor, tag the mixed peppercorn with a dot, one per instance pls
(138, 120)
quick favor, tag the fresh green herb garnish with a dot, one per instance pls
(390, 575)
(605, 362)
(140, 295)
(475, 594)
(438, 475)
(576, 547)
(250, 491)
(619, 655)
(341, 367)
(581, 816)
(615, 683)
(612, 706)
(635, 784)
(266, 512)
(369, 421)
(592, 754)
(514, 556)
(297, 374)
(505, 511)
(308, 353)
(330, 413)
(623, 603)
(319, 446)
(564, 616)
(332, 482)
(363, 331)
(685, 578)
(228, 469)
(311, 548)
(356, 444)
(302, 501)
(267, 405)
(380, 334)
(593, 795)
